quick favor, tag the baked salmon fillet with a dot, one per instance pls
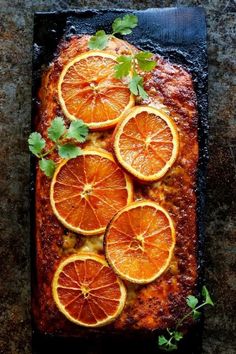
(159, 304)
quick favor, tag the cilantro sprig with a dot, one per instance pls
(64, 141)
(124, 25)
(36, 143)
(169, 342)
(119, 26)
(127, 64)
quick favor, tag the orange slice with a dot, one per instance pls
(87, 291)
(86, 192)
(139, 242)
(146, 143)
(87, 90)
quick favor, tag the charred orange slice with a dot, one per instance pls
(86, 192)
(139, 242)
(87, 291)
(88, 90)
(146, 143)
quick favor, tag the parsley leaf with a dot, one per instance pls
(56, 129)
(69, 151)
(162, 340)
(191, 301)
(128, 63)
(36, 143)
(124, 25)
(136, 86)
(142, 92)
(120, 25)
(99, 40)
(133, 85)
(144, 62)
(171, 347)
(78, 131)
(196, 314)
(169, 342)
(47, 166)
(58, 133)
(123, 68)
(206, 295)
(178, 336)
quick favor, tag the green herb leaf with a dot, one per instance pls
(56, 129)
(206, 295)
(69, 151)
(171, 347)
(78, 131)
(47, 166)
(178, 336)
(169, 342)
(144, 61)
(162, 340)
(168, 347)
(191, 301)
(196, 314)
(123, 68)
(36, 143)
(99, 40)
(143, 55)
(124, 25)
(136, 86)
(133, 85)
(142, 92)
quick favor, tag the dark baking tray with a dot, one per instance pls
(178, 34)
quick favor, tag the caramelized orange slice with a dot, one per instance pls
(146, 143)
(139, 242)
(86, 192)
(87, 291)
(87, 90)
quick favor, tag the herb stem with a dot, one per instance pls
(189, 314)
(48, 152)
(57, 143)
(170, 342)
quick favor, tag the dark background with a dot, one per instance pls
(16, 29)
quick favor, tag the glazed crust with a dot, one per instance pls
(156, 305)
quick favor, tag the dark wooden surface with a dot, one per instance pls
(16, 28)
